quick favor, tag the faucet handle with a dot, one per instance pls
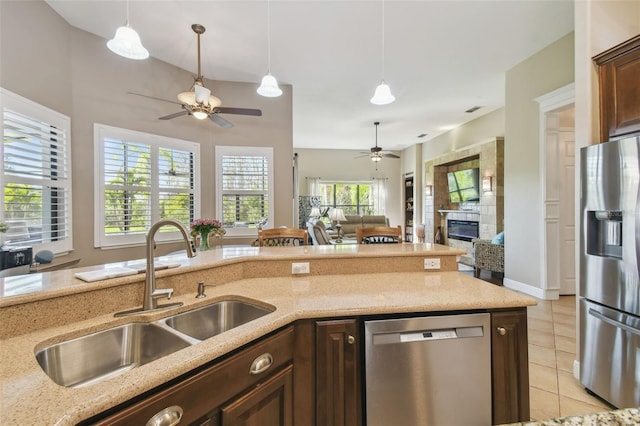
(162, 292)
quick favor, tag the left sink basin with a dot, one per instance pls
(98, 356)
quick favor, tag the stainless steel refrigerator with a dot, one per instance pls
(609, 271)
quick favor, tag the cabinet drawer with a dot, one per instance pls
(199, 394)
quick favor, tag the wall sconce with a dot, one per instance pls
(486, 184)
(428, 190)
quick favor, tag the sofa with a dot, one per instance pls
(353, 221)
(321, 234)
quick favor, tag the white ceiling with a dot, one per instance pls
(441, 57)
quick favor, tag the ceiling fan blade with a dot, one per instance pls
(390, 155)
(239, 111)
(153, 97)
(174, 115)
(220, 121)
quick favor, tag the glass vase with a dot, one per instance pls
(204, 241)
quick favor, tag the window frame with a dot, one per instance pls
(155, 142)
(37, 112)
(267, 152)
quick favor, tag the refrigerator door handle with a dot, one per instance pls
(613, 322)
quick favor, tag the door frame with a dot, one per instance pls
(549, 219)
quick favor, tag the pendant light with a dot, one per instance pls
(127, 43)
(382, 95)
(269, 85)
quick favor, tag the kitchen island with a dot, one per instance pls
(344, 282)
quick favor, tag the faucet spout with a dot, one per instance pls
(151, 294)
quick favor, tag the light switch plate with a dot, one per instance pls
(432, 263)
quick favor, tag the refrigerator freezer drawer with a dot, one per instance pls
(610, 354)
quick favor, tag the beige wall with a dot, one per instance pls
(549, 69)
(81, 78)
(480, 130)
(342, 165)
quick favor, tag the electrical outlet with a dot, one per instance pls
(432, 263)
(300, 268)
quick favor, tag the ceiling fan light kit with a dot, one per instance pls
(126, 42)
(269, 86)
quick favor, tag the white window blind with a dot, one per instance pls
(36, 175)
(244, 187)
(144, 178)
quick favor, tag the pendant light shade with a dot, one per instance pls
(382, 95)
(269, 86)
(127, 42)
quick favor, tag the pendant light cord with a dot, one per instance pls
(383, 47)
(127, 5)
(268, 37)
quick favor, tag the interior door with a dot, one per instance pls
(567, 242)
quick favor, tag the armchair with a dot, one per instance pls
(488, 256)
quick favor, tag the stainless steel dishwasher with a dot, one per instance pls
(428, 371)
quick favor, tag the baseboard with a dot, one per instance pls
(576, 369)
(540, 293)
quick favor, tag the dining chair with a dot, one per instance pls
(379, 235)
(282, 237)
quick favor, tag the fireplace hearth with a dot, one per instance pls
(464, 230)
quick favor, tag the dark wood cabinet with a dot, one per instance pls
(338, 386)
(509, 366)
(619, 79)
(226, 392)
(268, 404)
(314, 378)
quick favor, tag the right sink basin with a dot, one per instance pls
(217, 318)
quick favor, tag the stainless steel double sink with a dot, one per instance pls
(98, 356)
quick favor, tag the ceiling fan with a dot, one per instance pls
(376, 153)
(199, 102)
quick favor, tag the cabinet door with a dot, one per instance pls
(619, 69)
(338, 395)
(268, 404)
(510, 366)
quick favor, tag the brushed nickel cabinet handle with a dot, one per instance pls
(351, 340)
(261, 364)
(502, 331)
(170, 416)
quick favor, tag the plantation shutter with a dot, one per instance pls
(245, 190)
(143, 178)
(127, 187)
(36, 184)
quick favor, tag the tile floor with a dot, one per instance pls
(554, 392)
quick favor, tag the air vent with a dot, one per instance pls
(473, 109)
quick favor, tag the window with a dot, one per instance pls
(36, 175)
(354, 198)
(143, 178)
(244, 187)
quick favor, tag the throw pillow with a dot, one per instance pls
(498, 239)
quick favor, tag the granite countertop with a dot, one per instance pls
(623, 417)
(28, 396)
